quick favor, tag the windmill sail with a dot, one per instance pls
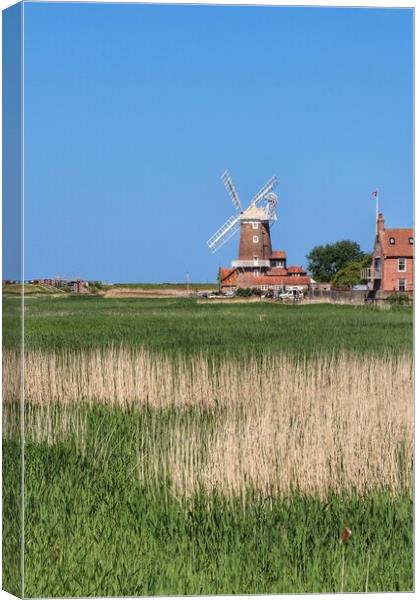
(272, 199)
(266, 211)
(264, 190)
(228, 183)
(224, 233)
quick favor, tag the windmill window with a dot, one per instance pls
(254, 225)
(410, 241)
(255, 239)
(401, 264)
(401, 285)
(392, 241)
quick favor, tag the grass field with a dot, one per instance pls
(185, 327)
(181, 448)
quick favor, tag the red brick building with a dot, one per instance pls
(392, 261)
(258, 266)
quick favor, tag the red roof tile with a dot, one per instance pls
(294, 269)
(276, 271)
(278, 254)
(275, 276)
(303, 280)
(228, 275)
(401, 247)
(287, 280)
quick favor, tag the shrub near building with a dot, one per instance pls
(349, 275)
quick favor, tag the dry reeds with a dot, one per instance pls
(279, 425)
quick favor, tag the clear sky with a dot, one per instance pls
(132, 112)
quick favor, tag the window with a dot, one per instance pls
(401, 265)
(392, 241)
(263, 288)
(278, 263)
(256, 272)
(254, 225)
(401, 285)
(255, 239)
(411, 241)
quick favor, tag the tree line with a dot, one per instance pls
(339, 263)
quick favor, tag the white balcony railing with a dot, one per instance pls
(251, 263)
(368, 273)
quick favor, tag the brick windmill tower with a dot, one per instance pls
(254, 224)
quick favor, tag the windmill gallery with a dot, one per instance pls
(258, 265)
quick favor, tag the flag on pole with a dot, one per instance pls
(375, 194)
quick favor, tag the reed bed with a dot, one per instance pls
(275, 425)
(134, 377)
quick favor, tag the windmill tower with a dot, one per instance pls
(254, 224)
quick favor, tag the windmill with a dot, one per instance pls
(261, 209)
(255, 252)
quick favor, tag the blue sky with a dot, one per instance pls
(132, 112)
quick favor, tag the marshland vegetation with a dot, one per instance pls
(177, 448)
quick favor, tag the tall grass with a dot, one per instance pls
(94, 525)
(276, 425)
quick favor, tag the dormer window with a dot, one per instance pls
(392, 241)
(411, 241)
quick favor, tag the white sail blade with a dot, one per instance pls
(224, 233)
(264, 190)
(272, 201)
(228, 183)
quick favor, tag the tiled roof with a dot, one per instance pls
(278, 280)
(276, 271)
(253, 281)
(228, 275)
(401, 247)
(295, 269)
(275, 276)
(278, 254)
(303, 280)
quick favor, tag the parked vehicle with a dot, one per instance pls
(293, 295)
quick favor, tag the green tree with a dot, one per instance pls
(349, 275)
(325, 261)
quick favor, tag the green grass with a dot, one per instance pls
(12, 517)
(29, 289)
(92, 529)
(185, 326)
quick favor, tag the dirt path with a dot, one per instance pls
(142, 293)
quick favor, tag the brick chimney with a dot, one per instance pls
(380, 224)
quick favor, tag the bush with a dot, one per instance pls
(398, 299)
(349, 275)
(244, 292)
